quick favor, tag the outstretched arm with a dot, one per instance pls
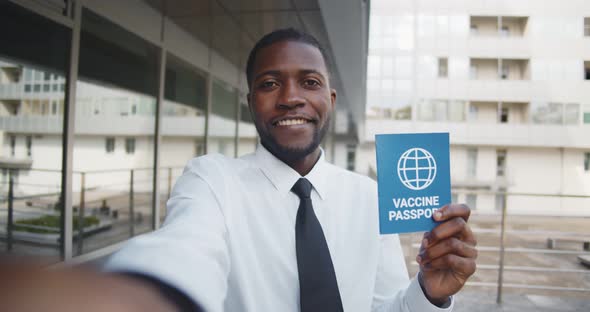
(25, 287)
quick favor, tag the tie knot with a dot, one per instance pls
(302, 188)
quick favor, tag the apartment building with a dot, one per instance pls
(510, 82)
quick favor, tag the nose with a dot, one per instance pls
(290, 96)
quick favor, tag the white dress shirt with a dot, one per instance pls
(228, 241)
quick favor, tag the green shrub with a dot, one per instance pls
(50, 222)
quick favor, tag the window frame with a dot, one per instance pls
(130, 144)
(110, 145)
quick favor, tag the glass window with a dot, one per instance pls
(388, 69)
(374, 66)
(587, 26)
(504, 115)
(443, 67)
(426, 110)
(31, 46)
(459, 68)
(222, 123)
(130, 145)
(29, 145)
(547, 113)
(471, 163)
(500, 201)
(403, 66)
(505, 71)
(38, 75)
(442, 25)
(505, 31)
(459, 25)
(433, 110)
(110, 145)
(426, 25)
(28, 74)
(246, 130)
(350, 156)
(12, 144)
(500, 163)
(427, 67)
(587, 161)
(117, 69)
(404, 32)
(586, 115)
(571, 114)
(587, 70)
(457, 111)
(183, 121)
(473, 71)
(471, 201)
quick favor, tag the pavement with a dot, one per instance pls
(475, 301)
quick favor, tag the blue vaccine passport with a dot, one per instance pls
(414, 180)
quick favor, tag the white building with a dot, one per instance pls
(510, 81)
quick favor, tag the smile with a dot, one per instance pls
(292, 122)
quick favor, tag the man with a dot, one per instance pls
(240, 237)
(281, 229)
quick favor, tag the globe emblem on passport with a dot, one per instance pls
(416, 168)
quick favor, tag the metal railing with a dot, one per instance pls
(502, 250)
(110, 185)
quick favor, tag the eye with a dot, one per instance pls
(314, 83)
(268, 84)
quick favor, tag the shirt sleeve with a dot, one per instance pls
(394, 292)
(189, 252)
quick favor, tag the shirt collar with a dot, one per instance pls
(284, 177)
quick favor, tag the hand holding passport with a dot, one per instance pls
(414, 187)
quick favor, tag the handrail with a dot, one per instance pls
(128, 189)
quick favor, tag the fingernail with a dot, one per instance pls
(425, 242)
(418, 259)
(437, 215)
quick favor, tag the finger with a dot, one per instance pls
(451, 211)
(448, 246)
(462, 266)
(454, 227)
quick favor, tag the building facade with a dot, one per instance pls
(104, 102)
(510, 82)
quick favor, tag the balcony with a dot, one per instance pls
(478, 90)
(11, 91)
(526, 135)
(117, 125)
(498, 26)
(494, 46)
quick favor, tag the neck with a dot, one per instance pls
(304, 165)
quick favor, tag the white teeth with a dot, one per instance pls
(291, 122)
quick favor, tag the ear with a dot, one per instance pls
(333, 98)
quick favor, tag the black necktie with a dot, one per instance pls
(318, 287)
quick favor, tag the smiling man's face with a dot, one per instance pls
(291, 99)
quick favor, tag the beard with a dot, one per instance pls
(292, 154)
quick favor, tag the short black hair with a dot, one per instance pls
(279, 35)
